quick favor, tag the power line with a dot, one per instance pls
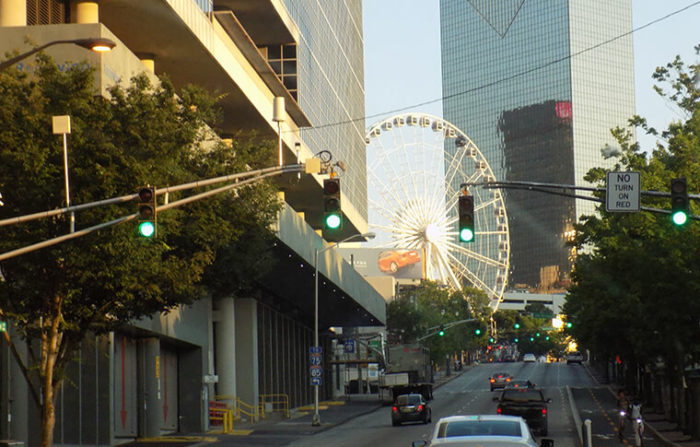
(508, 78)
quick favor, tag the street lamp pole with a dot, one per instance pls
(316, 418)
(98, 44)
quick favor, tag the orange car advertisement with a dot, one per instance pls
(397, 262)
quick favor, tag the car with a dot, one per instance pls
(517, 383)
(574, 357)
(528, 403)
(410, 408)
(529, 358)
(499, 380)
(393, 260)
(484, 431)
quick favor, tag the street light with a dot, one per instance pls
(98, 44)
(316, 418)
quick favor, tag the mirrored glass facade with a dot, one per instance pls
(330, 86)
(527, 81)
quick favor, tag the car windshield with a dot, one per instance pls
(522, 395)
(408, 399)
(479, 428)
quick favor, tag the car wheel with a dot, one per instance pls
(394, 267)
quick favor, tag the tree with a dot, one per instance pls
(416, 310)
(636, 282)
(142, 134)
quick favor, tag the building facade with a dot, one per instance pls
(160, 375)
(537, 85)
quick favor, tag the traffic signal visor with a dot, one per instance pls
(466, 218)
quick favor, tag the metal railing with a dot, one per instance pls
(220, 416)
(238, 407)
(277, 402)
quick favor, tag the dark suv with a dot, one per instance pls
(528, 403)
(410, 408)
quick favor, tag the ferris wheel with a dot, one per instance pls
(416, 164)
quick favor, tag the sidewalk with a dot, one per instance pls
(278, 430)
(667, 432)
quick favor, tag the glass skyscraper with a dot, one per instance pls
(537, 85)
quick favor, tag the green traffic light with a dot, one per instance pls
(568, 325)
(441, 333)
(491, 340)
(332, 221)
(517, 326)
(477, 331)
(147, 229)
(679, 218)
(537, 334)
(516, 340)
(466, 235)
(532, 338)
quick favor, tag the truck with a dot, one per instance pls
(408, 370)
(528, 403)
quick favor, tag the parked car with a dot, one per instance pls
(528, 403)
(484, 431)
(574, 357)
(529, 358)
(391, 261)
(499, 380)
(410, 408)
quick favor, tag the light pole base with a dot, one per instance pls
(315, 420)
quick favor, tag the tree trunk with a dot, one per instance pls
(49, 352)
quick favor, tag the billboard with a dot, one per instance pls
(397, 262)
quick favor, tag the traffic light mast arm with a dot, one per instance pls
(445, 326)
(549, 188)
(49, 242)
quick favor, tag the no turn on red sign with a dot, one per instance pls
(622, 192)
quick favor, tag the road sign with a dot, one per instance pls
(316, 381)
(349, 346)
(315, 360)
(315, 371)
(622, 192)
(315, 349)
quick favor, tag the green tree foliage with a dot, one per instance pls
(418, 311)
(141, 134)
(635, 280)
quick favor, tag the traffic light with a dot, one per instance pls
(516, 340)
(491, 340)
(516, 326)
(147, 211)
(466, 218)
(332, 218)
(441, 332)
(568, 325)
(679, 201)
(477, 331)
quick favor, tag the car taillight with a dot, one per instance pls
(493, 380)
(420, 408)
(508, 380)
(544, 412)
(498, 410)
(394, 409)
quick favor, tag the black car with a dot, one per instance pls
(410, 408)
(517, 383)
(528, 403)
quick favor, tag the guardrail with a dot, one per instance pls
(238, 407)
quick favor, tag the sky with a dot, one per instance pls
(402, 56)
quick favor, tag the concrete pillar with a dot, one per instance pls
(225, 347)
(247, 350)
(151, 392)
(87, 12)
(13, 12)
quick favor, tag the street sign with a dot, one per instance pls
(316, 381)
(350, 346)
(315, 349)
(622, 192)
(315, 371)
(315, 360)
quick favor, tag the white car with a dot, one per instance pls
(527, 358)
(482, 430)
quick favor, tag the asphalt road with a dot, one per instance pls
(467, 394)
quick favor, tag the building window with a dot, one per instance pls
(283, 61)
(46, 12)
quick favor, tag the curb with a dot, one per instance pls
(576, 415)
